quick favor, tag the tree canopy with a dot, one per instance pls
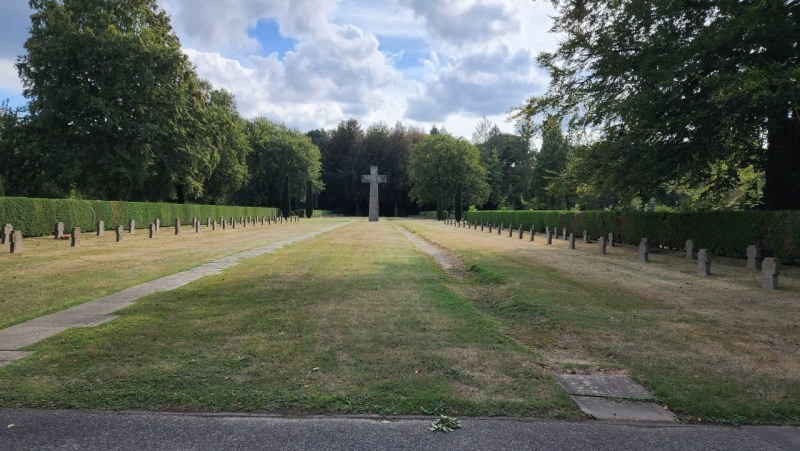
(440, 162)
(679, 92)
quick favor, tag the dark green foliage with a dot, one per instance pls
(679, 91)
(439, 205)
(36, 217)
(286, 202)
(459, 208)
(724, 233)
(309, 199)
(440, 161)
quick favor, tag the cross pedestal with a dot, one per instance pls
(373, 179)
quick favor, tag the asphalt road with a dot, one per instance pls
(29, 429)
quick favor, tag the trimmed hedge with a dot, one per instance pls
(36, 217)
(724, 233)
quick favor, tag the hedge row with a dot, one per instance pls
(36, 217)
(724, 233)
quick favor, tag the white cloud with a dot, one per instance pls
(446, 62)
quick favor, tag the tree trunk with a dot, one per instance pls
(782, 165)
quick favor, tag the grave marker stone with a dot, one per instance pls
(58, 230)
(75, 238)
(214, 226)
(601, 245)
(510, 231)
(157, 223)
(533, 232)
(754, 257)
(101, 228)
(770, 269)
(690, 254)
(644, 250)
(233, 222)
(5, 233)
(611, 239)
(500, 229)
(222, 221)
(208, 222)
(549, 238)
(482, 226)
(547, 230)
(16, 242)
(571, 242)
(197, 227)
(177, 226)
(152, 230)
(585, 237)
(565, 233)
(520, 231)
(119, 232)
(704, 262)
(131, 225)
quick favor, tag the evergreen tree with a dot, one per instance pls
(439, 206)
(309, 199)
(459, 207)
(286, 205)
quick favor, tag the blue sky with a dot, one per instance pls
(313, 63)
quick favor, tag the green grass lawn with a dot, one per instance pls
(359, 321)
(356, 320)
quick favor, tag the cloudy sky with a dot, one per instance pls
(313, 63)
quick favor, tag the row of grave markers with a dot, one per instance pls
(14, 237)
(770, 267)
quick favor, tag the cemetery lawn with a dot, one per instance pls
(356, 320)
(713, 349)
(49, 275)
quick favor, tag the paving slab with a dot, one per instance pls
(621, 409)
(784, 437)
(603, 386)
(7, 357)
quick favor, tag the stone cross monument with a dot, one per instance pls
(373, 179)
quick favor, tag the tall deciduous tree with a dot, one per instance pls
(309, 199)
(440, 161)
(278, 151)
(114, 101)
(286, 198)
(676, 90)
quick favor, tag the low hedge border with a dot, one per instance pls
(36, 217)
(724, 233)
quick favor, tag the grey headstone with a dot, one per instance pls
(770, 270)
(601, 245)
(131, 225)
(482, 226)
(691, 252)
(101, 228)
(611, 239)
(565, 233)
(585, 237)
(704, 262)
(5, 233)
(644, 251)
(213, 226)
(119, 231)
(58, 230)
(549, 238)
(76, 237)
(243, 221)
(233, 222)
(15, 239)
(152, 231)
(158, 224)
(510, 231)
(197, 227)
(177, 226)
(533, 232)
(500, 229)
(571, 241)
(754, 256)
(547, 230)
(208, 222)
(520, 231)
(490, 227)
(222, 222)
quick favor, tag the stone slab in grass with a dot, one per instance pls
(620, 409)
(603, 386)
(7, 357)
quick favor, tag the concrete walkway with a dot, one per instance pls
(27, 429)
(14, 338)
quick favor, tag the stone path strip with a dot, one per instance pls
(613, 398)
(96, 312)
